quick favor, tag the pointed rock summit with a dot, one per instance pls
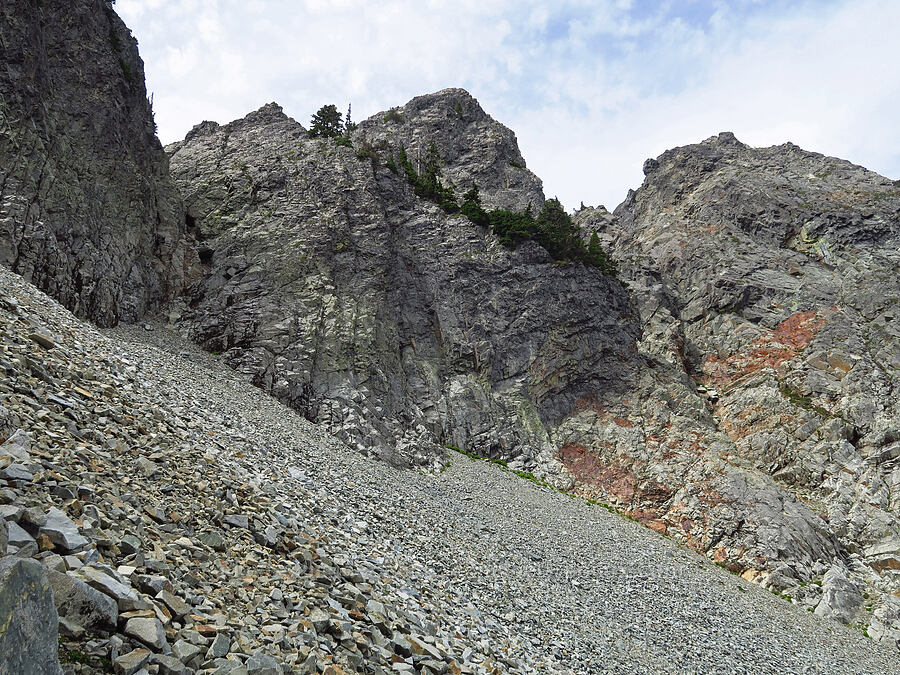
(475, 149)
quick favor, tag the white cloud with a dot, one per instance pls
(590, 88)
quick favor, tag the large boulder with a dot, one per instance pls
(81, 604)
(29, 637)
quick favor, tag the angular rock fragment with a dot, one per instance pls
(176, 605)
(185, 651)
(212, 539)
(220, 647)
(18, 445)
(125, 596)
(62, 531)
(170, 665)
(132, 662)
(81, 604)
(237, 520)
(147, 630)
(261, 663)
(16, 536)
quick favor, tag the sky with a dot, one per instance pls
(591, 88)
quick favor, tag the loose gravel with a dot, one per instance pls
(574, 587)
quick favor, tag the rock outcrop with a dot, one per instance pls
(767, 284)
(88, 211)
(474, 148)
(403, 328)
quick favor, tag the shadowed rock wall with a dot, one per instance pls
(88, 211)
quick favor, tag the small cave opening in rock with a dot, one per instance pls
(205, 253)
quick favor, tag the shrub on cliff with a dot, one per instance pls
(553, 228)
(511, 227)
(557, 233)
(472, 209)
(597, 257)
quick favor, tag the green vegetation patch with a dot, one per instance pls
(804, 402)
(552, 228)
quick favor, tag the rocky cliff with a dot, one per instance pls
(88, 211)
(766, 280)
(403, 328)
(739, 396)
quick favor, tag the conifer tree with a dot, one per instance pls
(348, 125)
(326, 123)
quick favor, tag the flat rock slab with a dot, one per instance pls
(18, 536)
(237, 520)
(132, 662)
(149, 631)
(261, 663)
(125, 596)
(16, 472)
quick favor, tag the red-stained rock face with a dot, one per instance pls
(767, 281)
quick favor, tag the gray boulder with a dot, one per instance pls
(149, 631)
(18, 446)
(29, 640)
(17, 536)
(125, 596)
(62, 531)
(81, 604)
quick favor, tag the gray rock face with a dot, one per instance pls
(767, 283)
(28, 641)
(460, 569)
(332, 286)
(88, 211)
(841, 598)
